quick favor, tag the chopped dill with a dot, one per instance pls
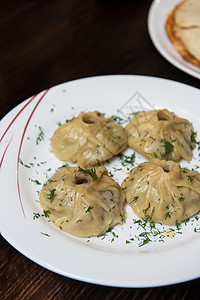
(127, 160)
(168, 149)
(65, 165)
(91, 172)
(51, 195)
(168, 215)
(181, 197)
(35, 181)
(118, 120)
(78, 221)
(146, 239)
(146, 209)
(134, 199)
(193, 140)
(36, 216)
(46, 234)
(59, 123)
(190, 178)
(68, 120)
(40, 136)
(46, 213)
(89, 208)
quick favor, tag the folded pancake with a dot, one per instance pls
(183, 29)
(163, 192)
(88, 139)
(83, 202)
(161, 134)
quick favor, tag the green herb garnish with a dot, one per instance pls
(168, 215)
(40, 135)
(134, 199)
(190, 178)
(127, 160)
(46, 213)
(181, 197)
(46, 234)
(51, 195)
(118, 120)
(36, 181)
(91, 172)
(36, 216)
(168, 149)
(89, 208)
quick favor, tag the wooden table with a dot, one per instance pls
(44, 43)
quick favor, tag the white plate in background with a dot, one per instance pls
(156, 25)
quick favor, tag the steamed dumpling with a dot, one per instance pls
(163, 192)
(88, 139)
(81, 202)
(161, 134)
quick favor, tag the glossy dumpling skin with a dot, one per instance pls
(163, 191)
(88, 139)
(161, 134)
(83, 203)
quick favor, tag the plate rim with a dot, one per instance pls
(75, 276)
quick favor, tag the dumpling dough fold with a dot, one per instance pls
(83, 203)
(163, 191)
(161, 134)
(88, 139)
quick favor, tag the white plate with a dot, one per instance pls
(156, 24)
(115, 260)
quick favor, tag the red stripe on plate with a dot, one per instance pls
(5, 151)
(20, 147)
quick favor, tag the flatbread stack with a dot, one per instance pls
(183, 29)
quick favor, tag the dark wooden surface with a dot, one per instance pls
(47, 42)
